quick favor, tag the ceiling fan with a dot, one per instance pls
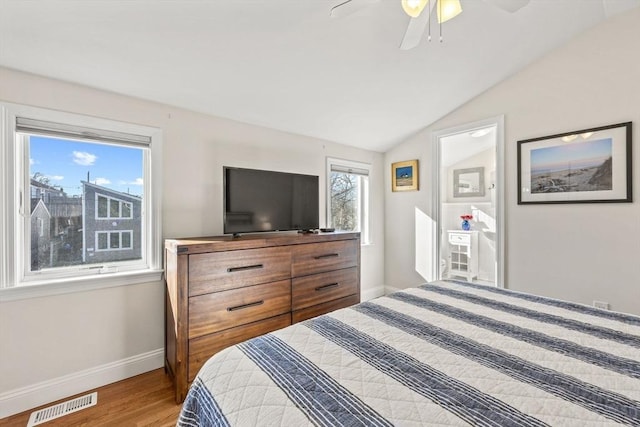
(444, 9)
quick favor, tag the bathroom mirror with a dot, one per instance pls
(468, 182)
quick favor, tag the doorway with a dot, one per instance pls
(469, 198)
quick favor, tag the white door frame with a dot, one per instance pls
(436, 136)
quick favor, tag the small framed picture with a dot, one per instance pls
(583, 166)
(404, 176)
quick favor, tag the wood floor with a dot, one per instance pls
(144, 400)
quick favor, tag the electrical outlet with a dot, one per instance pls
(601, 304)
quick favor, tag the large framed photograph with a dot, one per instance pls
(584, 166)
(404, 176)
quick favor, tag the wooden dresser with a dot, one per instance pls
(223, 290)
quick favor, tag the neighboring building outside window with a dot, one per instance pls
(40, 227)
(93, 200)
(348, 196)
(112, 224)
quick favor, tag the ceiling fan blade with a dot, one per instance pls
(509, 5)
(348, 7)
(612, 7)
(415, 30)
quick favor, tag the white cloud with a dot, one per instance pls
(32, 162)
(83, 158)
(137, 181)
(102, 181)
(55, 177)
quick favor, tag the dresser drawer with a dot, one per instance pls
(327, 256)
(318, 288)
(324, 308)
(219, 271)
(459, 238)
(221, 310)
(202, 348)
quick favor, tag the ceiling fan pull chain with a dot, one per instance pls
(429, 35)
(439, 20)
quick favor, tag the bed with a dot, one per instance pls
(444, 353)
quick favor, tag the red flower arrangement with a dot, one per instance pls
(466, 217)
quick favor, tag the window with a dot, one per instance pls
(348, 196)
(92, 205)
(113, 240)
(112, 208)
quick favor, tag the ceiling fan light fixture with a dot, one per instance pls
(448, 9)
(413, 8)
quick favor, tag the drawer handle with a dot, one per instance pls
(246, 267)
(326, 256)
(240, 307)
(327, 286)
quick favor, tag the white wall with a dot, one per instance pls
(578, 252)
(48, 343)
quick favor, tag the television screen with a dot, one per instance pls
(260, 200)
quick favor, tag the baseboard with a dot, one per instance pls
(25, 398)
(390, 289)
(372, 293)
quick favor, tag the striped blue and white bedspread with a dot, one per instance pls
(446, 353)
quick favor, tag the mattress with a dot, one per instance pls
(444, 353)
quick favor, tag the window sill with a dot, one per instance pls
(79, 284)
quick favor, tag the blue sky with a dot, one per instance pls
(576, 155)
(67, 162)
(405, 170)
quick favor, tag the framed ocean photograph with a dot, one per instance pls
(404, 176)
(585, 166)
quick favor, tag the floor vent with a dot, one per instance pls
(62, 409)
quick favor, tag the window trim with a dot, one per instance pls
(15, 173)
(356, 168)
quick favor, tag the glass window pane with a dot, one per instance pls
(345, 198)
(126, 210)
(114, 240)
(126, 240)
(82, 185)
(102, 241)
(102, 207)
(114, 209)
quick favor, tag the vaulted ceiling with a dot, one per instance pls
(286, 64)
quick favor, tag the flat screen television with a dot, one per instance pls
(260, 200)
